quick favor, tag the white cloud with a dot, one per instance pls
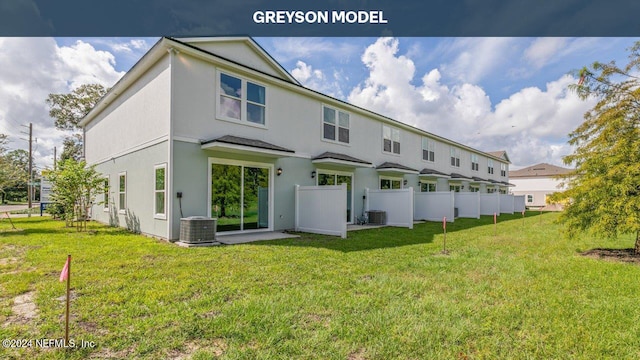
(287, 49)
(477, 57)
(316, 80)
(303, 73)
(531, 124)
(32, 68)
(543, 50)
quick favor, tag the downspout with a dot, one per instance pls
(170, 201)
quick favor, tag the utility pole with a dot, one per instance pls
(54, 158)
(30, 185)
(30, 182)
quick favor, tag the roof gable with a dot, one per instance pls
(243, 50)
(500, 154)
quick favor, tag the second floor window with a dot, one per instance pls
(474, 162)
(455, 157)
(241, 100)
(428, 149)
(503, 170)
(335, 125)
(390, 139)
(490, 166)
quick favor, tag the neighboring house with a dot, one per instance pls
(215, 127)
(536, 182)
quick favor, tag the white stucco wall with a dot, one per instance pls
(238, 51)
(294, 121)
(137, 118)
(536, 184)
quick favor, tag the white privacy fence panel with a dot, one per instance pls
(433, 206)
(398, 205)
(489, 204)
(321, 209)
(506, 204)
(518, 203)
(468, 204)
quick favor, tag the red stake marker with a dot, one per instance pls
(444, 228)
(66, 275)
(495, 224)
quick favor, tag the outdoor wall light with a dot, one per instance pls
(279, 171)
(313, 174)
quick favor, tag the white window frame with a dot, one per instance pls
(162, 216)
(453, 186)
(489, 166)
(475, 163)
(223, 161)
(120, 192)
(392, 179)
(336, 125)
(392, 131)
(434, 183)
(454, 159)
(474, 188)
(532, 199)
(244, 101)
(503, 169)
(105, 189)
(429, 146)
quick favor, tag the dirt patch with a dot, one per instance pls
(211, 314)
(357, 355)
(24, 309)
(216, 347)
(107, 353)
(7, 261)
(617, 255)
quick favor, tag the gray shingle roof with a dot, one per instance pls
(343, 157)
(236, 140)
(427, 171)
(459, 176)
(390, 165)
(539, 170)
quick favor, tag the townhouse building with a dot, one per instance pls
(216, 127)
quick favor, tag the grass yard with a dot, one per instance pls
(380, 294)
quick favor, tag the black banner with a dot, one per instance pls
(319, 18)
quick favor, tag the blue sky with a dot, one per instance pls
(491, 93)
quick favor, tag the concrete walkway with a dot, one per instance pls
(251, 237)
(242, 238)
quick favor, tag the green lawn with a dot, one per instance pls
(380, 294)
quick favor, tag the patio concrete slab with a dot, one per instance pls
(252, 237)
(354, 227)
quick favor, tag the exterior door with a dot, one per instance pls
(240, 196)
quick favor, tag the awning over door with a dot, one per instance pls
(340, 160)
(393, 168)
(430, 173)
(236, 144)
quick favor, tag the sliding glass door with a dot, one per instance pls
(240, 196)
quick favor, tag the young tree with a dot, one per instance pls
(68, 109)
(74, 187)
(604, 189)
(18, 161)
(11, 173)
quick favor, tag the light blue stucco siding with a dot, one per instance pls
(139, 167)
